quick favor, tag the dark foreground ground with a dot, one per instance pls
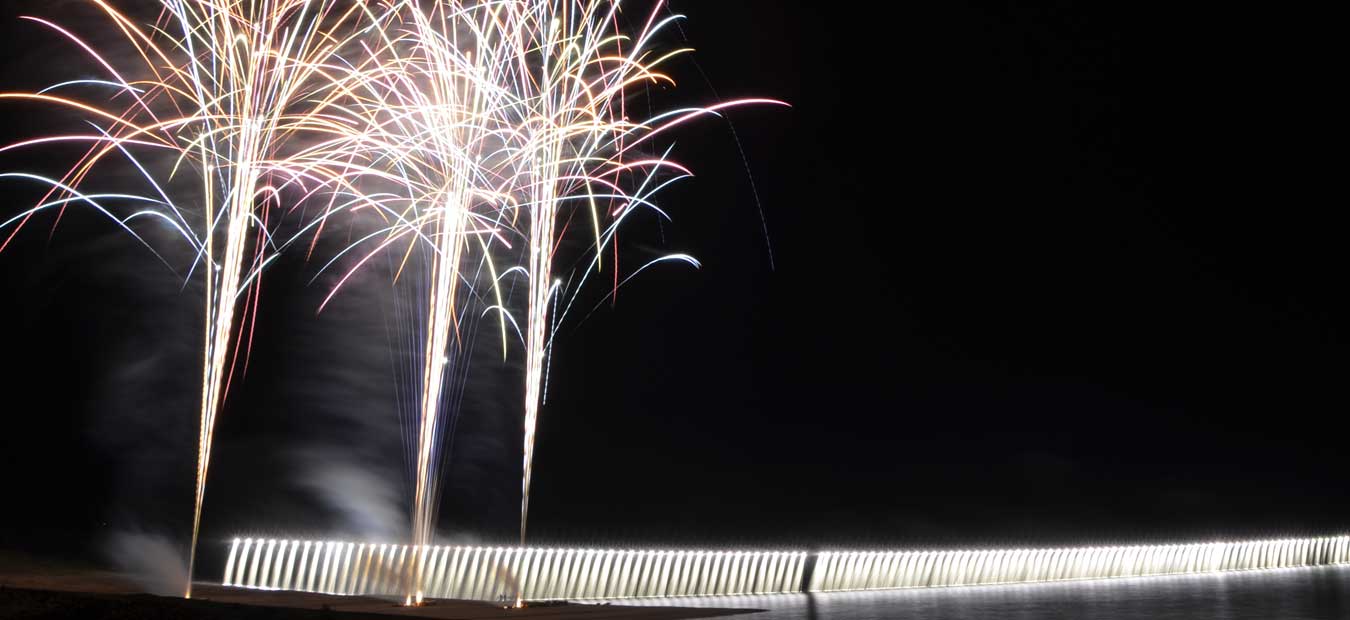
(31, 590)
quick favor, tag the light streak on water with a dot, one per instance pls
(876, 570)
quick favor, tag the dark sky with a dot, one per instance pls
(1038, 274)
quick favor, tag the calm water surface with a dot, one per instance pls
(1290, 594)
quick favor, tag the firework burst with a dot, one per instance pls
(222, 86)
(477, 134)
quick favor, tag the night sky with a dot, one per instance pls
(1031, 275)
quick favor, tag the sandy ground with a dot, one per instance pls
(32, 589)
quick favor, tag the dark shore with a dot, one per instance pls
(33, 590)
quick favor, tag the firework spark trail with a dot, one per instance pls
(577, 149)
(501, 121)
(258, 61)
(461, 127)
(452, 130)
(421, 109)
(226, 84)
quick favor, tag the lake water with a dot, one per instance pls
(1321, 593)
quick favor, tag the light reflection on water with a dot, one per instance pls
(1321, 593)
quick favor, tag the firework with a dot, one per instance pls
(415, 138)
(499, 123)
(221, 85)
(580, 154)
(477, 133)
